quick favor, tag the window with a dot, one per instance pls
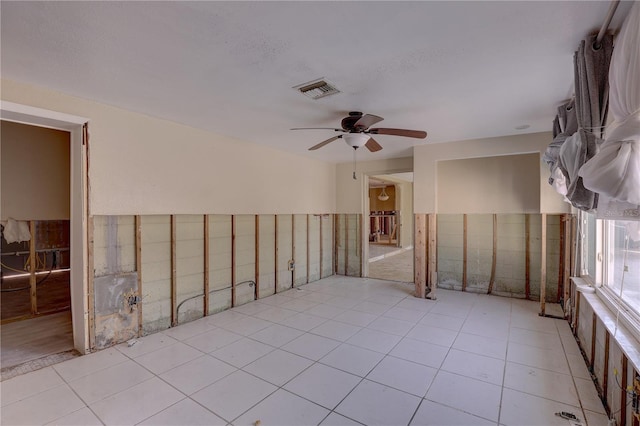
(622, 260)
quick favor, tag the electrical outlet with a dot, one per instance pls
(291, 265)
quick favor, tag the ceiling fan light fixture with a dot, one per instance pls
(383, 196)
(356, 140)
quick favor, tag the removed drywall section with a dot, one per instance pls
(450, 251)
(553, 256)
(479, 251)
(314, 253)
(35, 172)
(511, 254)
(156, 273)
(189, 267)
(300, 249)
(267, 255)
(327, 235)
(219, 262)
(245, 259)
(284, 251)
(340, 247)
(354, 245)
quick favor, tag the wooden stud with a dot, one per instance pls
(205, 302)
(464, 252)
(605, 381)
(566, 284)
(494, 257)
(560, 292)
(432, 265)
(275, 251)
(90, 284)
(33, 293)
(527, 259)
(335, 242)
(257, 261)
(293, 248)
(233, 260)
(420, 255)
(321, 247)
(174, 278)
(346, 244)
(623, 391)
(308, 249)
(594, 324)
(543, 263)
(138, 232)
(575, 328)
(360, 231)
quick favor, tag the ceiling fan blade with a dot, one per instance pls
(366, 121)
(419, 134)
(317, 128)
(372, 145)
(323, 143)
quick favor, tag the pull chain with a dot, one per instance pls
(354, 163)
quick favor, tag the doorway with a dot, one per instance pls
(390, 227)
(43, 260)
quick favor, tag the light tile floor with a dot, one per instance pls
(340, 351)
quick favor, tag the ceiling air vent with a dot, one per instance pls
(317, 89)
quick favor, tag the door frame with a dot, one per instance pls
(79, 205)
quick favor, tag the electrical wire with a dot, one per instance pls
(54, 264)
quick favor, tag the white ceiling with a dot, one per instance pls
(459, 70)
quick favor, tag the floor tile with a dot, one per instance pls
(543, 383)
(27, 385)
(251, 308)
(335, 419)
(529, 322)
(325, 311)
(197, 374)
(167, 358)
(415, 304)
(470, 395)
(595, 419)
(546, 359)
(442, 321)
(109, 381)
(336, 330)
(278, 367)
(283, 408)
(522, 409)
(403, 375)
(343, 302)
(391, 325)
(246, 326)
(185, 412)
(538, 339)
(404, 314)
(361, 319)
(434, 414)
(451, 309)
(374, 404)
(190, 329)
(225, 317)
(421, 352)
(317, 297)
(323, 385)
(385, 299)
(578, 367)
(435, 335)
(300, 305)
(495, 329)
(589, 396)
(352, 359)
(136, 403)
(233, 395)
(311, 346)
(213, 340)
(276, 335)
(371, 307)
(242, 352)
(303, 321)
(83, 365)
(275, 314)
(146, 344)
(41, 408)
(82, 417)
(374, 340)
(478, 367)
(495, 348)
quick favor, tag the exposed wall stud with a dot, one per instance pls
(233, 260)
(575, 329)
(567, 220)
(605, 374)
(346, 244)
(527, 260)
(308, 268)
(257, 261)
(494, 256)
(33, 296)
(335, 243)
(321, 247)
(293, 249)
(275, 256)
(206, 265)
(464, 252)
(432, 265)
(174, 292)
(623, 393)
(138, 231)
(561, 259)
(420, 255)
(594, 325)
(543, 263)
(359, 240)
(90, 284)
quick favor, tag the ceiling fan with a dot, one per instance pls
(356, 132)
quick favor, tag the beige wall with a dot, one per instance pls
(144, 165)
(35, 172)
(504, 184)
(426, 158)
